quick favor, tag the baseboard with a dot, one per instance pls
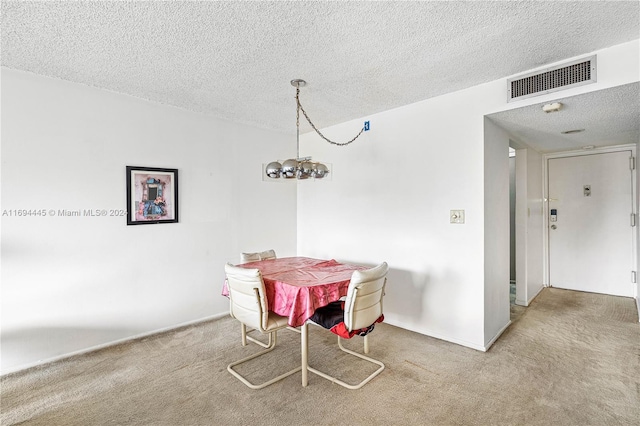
(492, 341)
(483, 348)
(638, 307)
(535, 295)
(112, 343)
(521, 302)
(389, 320)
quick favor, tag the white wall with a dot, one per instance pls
(389, 200)
(496, 232)
(392, 191)
(71, 283)
(529, 226)
(535, 225)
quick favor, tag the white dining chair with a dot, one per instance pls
(253, 257)
(362, 308)
(261, 255)
(248, 304)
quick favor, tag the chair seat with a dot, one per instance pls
(276, 322)
(331, 317)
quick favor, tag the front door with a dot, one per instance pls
(590, 232)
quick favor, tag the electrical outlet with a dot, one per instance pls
(457, 216)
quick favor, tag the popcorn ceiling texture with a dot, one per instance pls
(234, 60)
(610, 117)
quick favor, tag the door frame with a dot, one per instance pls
(545, 201)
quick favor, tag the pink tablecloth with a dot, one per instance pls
(297, 286)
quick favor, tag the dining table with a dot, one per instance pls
(296, 286)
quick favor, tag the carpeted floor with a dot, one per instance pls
(568, 359)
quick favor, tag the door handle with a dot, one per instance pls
(554, 227)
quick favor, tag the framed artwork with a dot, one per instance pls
(152, 195)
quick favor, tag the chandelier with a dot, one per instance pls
(302, 167)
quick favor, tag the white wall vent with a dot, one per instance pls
(561, 77)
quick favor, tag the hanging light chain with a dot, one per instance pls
(314, 127)
(297, 122)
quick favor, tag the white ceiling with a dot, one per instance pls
(234, 60)
(608, 117)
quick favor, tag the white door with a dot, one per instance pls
(591, 237)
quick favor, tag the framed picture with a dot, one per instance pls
(152, 195)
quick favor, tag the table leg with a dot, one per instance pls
(305, 352)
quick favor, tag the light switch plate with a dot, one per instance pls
(457, 216)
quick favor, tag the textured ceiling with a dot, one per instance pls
(234, 60)
(608, 117)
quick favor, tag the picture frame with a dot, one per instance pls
(152, 195)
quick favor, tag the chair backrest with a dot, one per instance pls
(247, 296)
(363, 305)
(262, 255)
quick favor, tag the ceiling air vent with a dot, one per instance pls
(561, 77)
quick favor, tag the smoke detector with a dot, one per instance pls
(556, 106)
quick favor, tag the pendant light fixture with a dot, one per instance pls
(301, 167)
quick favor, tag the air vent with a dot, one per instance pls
(561, 77)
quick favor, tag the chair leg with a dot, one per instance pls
(246, 336)
(304, 353)
(267, 383)
(267, 345)
(366, 344)
(243, 332)
(345, 384)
